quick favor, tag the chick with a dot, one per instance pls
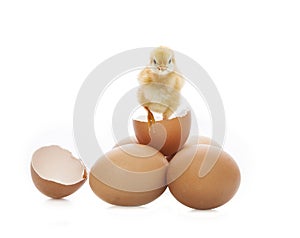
(160, 84)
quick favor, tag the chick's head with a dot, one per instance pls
(162, 60)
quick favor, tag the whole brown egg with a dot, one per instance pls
(203, 177)
(129, 175)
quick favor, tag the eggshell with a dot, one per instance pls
(129, 175)
(203, 177)
(56, 173)
(167, 136)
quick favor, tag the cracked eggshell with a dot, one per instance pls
(168, 136)
(203, 177)
(56, 173)
(129, 175)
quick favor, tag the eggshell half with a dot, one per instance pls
(56, 173)
(203, 177)
(167, 136)
(129, 175)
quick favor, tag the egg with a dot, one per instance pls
(55, 172)
(195, 140)
(168, 136)
(203, 177)
(132, 140)
(129, 175)
(125, 141)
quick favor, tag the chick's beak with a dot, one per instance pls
(161, 68)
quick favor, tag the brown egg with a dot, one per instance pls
(169, 157)
(56, 173)
(129, 175)
(132, 140)
(167, 136)
(203, 177)
(126, 141)
(197, 140)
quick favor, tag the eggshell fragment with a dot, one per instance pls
(167, 136)
(56, 173)
(203, 177)
(129, 175)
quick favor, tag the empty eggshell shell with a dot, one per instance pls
(56, 173)
(194, 187)
(129, 175)
(168, 136)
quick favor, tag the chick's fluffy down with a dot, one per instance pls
(158, 97)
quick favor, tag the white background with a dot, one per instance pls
(250, 49)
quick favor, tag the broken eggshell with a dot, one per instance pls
(168, 136)
(56, 173)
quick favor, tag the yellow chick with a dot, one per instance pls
(160, 84)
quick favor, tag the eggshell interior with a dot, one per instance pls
(58, 165)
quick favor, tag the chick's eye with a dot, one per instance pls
(154, 61)
(170, 61)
